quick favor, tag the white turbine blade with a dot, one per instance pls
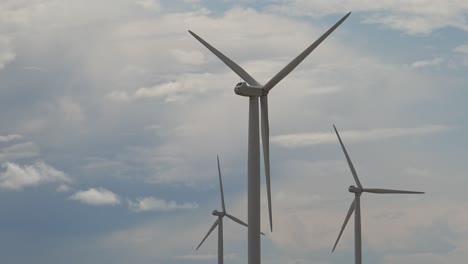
(351, 166)
(266, 151)
(209, 232)
(288, 68)
(237, 220)
(350, 212)
(221, 186)
(374, 190)
(236, 68)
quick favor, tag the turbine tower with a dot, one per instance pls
(356, 205)
(219, 221)
(254, 90)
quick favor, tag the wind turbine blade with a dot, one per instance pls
(209, 232)
(288, 68)
(374, 190)
(236, 68)
(266, 151)
(351, 166)
(221, 186)
(350, 212)
(237, 220)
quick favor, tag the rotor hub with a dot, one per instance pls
(218, 213)
(354, 189)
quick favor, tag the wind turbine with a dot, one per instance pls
(219, 221)
(254, 90)
(356, 205)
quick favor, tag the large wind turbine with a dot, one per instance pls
(254, 90)
(219, 221)
(356, 205)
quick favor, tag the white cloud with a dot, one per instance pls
(9, 138)
(159, 90)
(17, 177)
(412, 17)
(96, 197)
(152, 5)
(6, 52)
(63, 188)
(184, 87)
(352, 136)
(427, 63)
(155, 204)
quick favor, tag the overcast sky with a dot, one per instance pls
(112, 116)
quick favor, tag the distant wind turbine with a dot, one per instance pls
(219, 221)
(254, 90)
(356, 205)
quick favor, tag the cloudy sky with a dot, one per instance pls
(112, 116)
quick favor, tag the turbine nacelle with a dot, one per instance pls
(243, 89)
(218, 213)
(354, 189)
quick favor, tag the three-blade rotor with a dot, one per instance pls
(223, 213)
(265, 129)
(358, 191)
